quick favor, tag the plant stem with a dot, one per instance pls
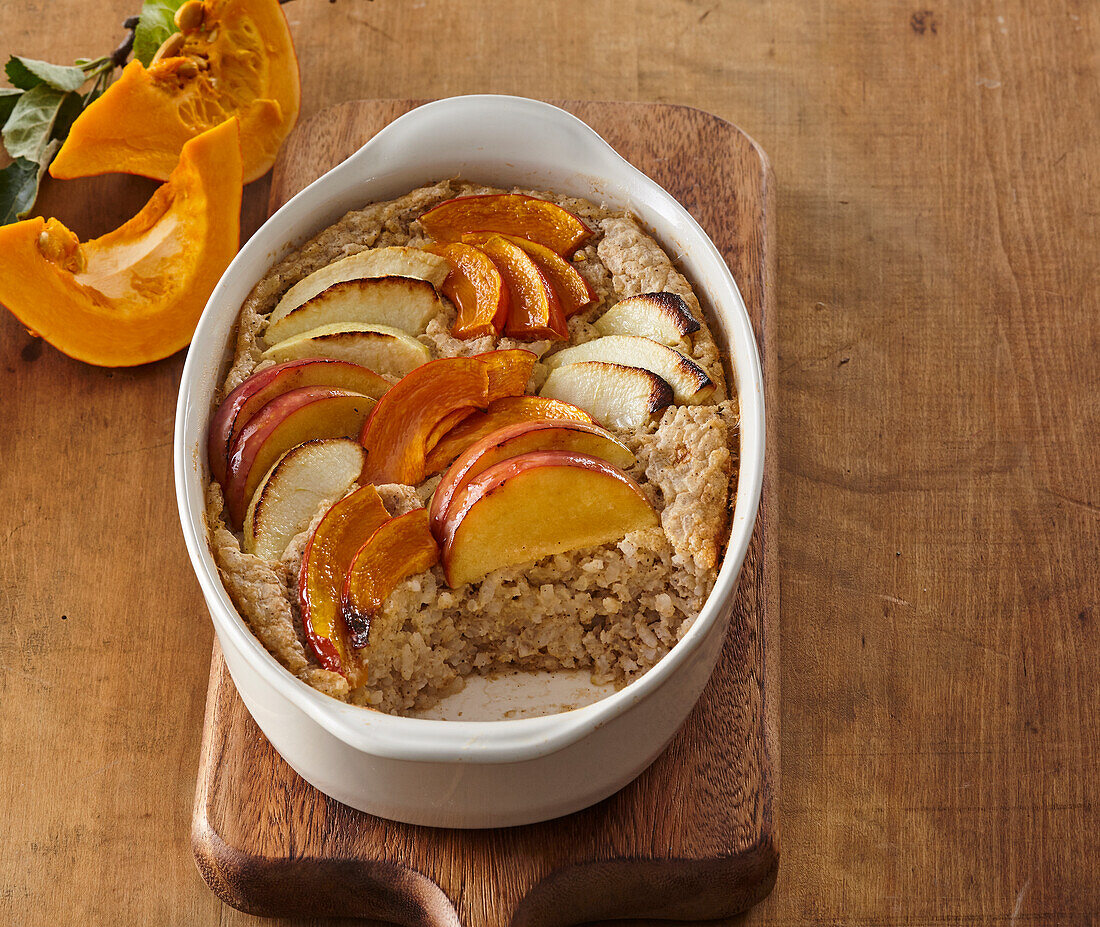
(120, 54)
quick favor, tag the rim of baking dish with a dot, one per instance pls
(436, 127)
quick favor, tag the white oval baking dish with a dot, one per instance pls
(471, 773)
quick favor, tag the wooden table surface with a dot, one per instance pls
(939, 212)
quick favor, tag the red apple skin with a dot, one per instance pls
(259, 389)
(249, 442)
(497, 475)
(511, 410)
(522, 438)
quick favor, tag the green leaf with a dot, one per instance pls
(28, 73)
(8, 99)
(18, 189)
(156, 23)
(19, 183)
(28, 129)
(71, 107)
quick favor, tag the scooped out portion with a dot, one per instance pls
(489, 477)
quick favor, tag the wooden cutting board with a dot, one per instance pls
(695, 836)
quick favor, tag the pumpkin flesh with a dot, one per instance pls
(135, 294)
(240, 62)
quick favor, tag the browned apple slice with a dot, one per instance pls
(663, 317)
(508, 411)
(614, 395)
(328, 556)
(404, 303)
(400, 548)
(294, 489)
(511, 214)
(399, 261)
(541, 503)
(260, 388)
(288, 420)
(690, 383)
(383, 349)
(396, 434)
(514, 440)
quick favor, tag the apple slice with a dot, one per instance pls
(328, 556)
(510, 214)
(514, 440)
(662, 317)
(573, 290)
(477, 290)
(404, 303)
(536, 310)
(383, 349)
(528, 507)
(690, 383)
(614, 395)
(288, 420)
(400, 548)
(290, 493)
(396, 434)
(503, 412)
(260, 388)
(374, 262)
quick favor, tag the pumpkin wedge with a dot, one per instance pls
(135, 294)
(235, 59)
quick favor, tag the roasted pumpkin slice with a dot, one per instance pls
(476, 289)
(507, 214)
(134, 295)
(235, 59)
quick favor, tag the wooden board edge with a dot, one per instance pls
(768, 343)
(267, 887)
(667, 889)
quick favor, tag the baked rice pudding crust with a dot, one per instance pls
(614, 610)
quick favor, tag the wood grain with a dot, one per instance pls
(695, 837)
(938, 219)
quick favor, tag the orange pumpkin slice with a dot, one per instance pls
(135, 294)
(396, 434)
(507, 214)
(237, 59)
(332, 547)
(573, 290)
(400, 548)
(475, 287)
(536, 310)
(501, 413)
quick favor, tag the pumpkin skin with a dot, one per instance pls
(135, 294)
(239, 62)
